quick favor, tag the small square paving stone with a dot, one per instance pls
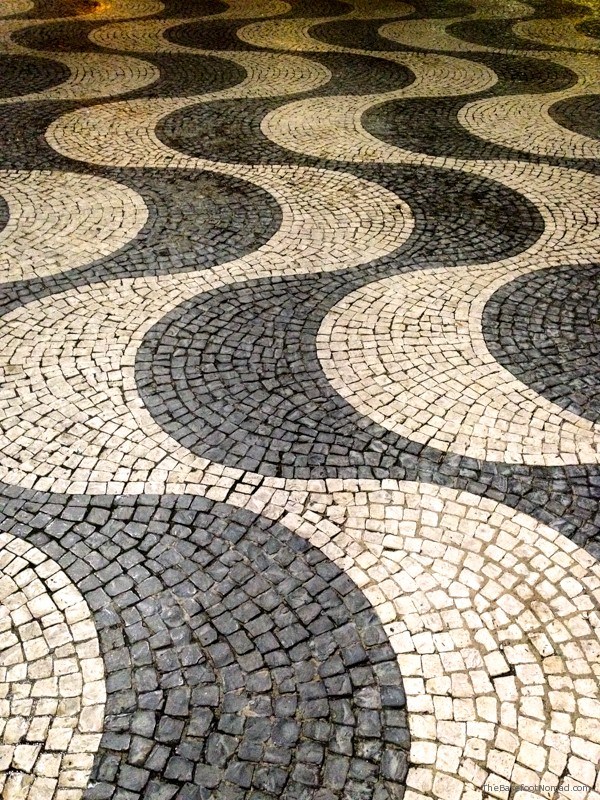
(299, 420)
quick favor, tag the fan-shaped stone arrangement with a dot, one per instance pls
(51, 678)
(299, 440)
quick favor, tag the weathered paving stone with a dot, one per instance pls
(24, 74)
(579, 114)
(299, 327)
(544, 329)
(228, 660)
(431, 125)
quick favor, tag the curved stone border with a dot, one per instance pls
(409, 353)
(52, 686)
(72, 437)
(239, 659)
(496, 622)
(62, 220)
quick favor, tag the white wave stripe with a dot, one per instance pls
(557, 33)
(430, 34)
(433, 34)
(331, 127)
(107, 10)
(138, 36)
(117, 9)
(522, 121)
(93, 76)
(427, 34)
(12, 7)
(291, 35)
(123, 133)
(492, 9)
(147, 35)
(409, 353)
(286, 34)
(61, 220)
(251, 9)
(71, 417)
(379, 9)
(496, 622)
(52, 686)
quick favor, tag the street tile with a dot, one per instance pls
(299, 420)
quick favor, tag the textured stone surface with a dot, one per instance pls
(237, 655)
(544, 328)
(299, 420)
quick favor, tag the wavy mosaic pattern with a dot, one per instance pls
(51, 677)
(299, 421)
(60, 220)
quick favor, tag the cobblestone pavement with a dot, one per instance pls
(299, 414)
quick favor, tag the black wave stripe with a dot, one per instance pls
(590, 27)
(350, 75)
(217, 34)
(183, 74)
(545, 329)
(233, 375)
(558, 9)
(360, 74)
(226, 130)
(301, 9)
(564, 497)
(518, 74)
(27, 74)
(494, 33)
(460, 218)
(4, 213)
(579, 114)
(240, 661)
(64, 36)
(197, 220)
(22, 136)
(192, 8)
(361, 34)
(230, 130)
(200, 219)
(430, 125)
